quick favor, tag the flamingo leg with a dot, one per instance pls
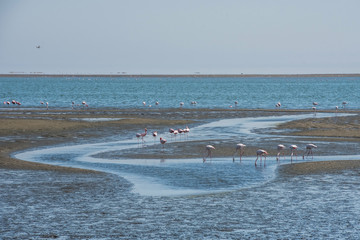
(234, 155)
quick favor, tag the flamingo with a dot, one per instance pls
(308, 150)
(280, 149)
(144, 103)
(162, 141)
(315, 103)
(278, 105)
(241, 148)
(314, 109)
(293, 150)
(181, 104)
(336, 108)
(175, 133)
(154, 135)
(143, 135)
(186, 131)
(261, 153)
(47, 106)
(236, 103)
(157, 103)
(208, 149)
(138, 135)
(344, 103)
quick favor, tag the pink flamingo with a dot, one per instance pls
(186, 131)
(208, 149)
(241, 148)
(261, 153)
(278, 105)
(308, 150)
(162, 141)
(175, 133)
(293, 150)
(280, 149)
(344, 103)
(314, 109)
(138, 135)
(181, 104)
(143, 135)
(154, 135)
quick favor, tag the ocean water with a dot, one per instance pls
(208, 92)
(182, 198)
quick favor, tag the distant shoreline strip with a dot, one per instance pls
(181, 75)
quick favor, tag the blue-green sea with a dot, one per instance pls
(169, 92)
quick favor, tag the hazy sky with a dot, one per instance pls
(179, 37)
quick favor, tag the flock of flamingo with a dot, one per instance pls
(260, 153)
(84, 104)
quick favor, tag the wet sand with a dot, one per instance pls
(22, 129)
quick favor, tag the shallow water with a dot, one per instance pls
(176, 198)
(217, 92)
(159, 177)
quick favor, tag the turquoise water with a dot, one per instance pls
(214, 92)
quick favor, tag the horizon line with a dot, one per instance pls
(40, 74)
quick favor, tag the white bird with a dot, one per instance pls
(208, 149)
(241, 148)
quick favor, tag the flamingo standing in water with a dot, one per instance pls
(280, 149)
(143, 135)
(186, 131)
(278, 105)
(261, 153)
(241, 148)
(308, 150)
(293, 151)
(344, 103)
(175, 133)
(154, 135)
(208, 149)
(162, 141)
(138, 135)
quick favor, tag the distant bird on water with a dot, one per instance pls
(261, 153)
(208, 149)
(241, 148)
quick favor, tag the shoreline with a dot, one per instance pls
(181, 75)
(56, 128)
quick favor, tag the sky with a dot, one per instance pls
(179, 37)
